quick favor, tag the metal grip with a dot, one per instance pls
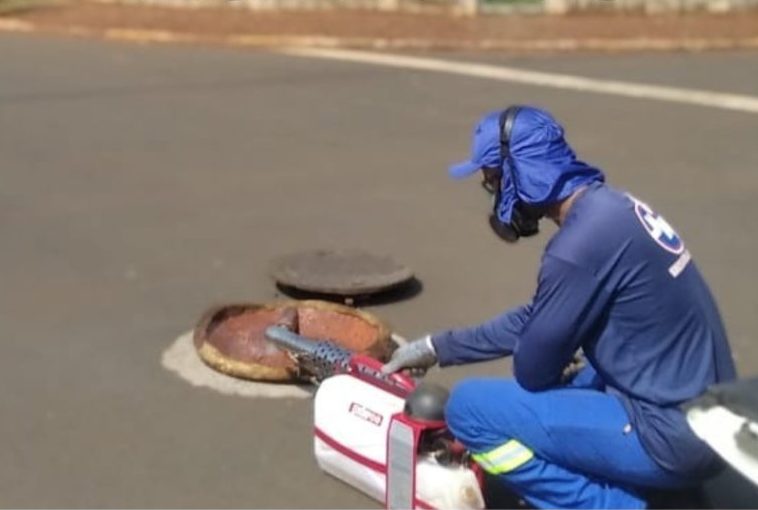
(327, 359)
(318, 358)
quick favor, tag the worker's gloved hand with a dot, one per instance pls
(416, 354)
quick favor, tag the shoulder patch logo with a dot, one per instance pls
(658, 228)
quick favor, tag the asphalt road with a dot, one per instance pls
(141, 184)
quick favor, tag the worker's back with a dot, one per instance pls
(661, 341)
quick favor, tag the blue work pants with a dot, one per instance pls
(570, 447)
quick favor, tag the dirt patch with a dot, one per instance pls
(357, 27)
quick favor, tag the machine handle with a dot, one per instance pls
(371, 368)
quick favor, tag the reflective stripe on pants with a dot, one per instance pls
(504, 458)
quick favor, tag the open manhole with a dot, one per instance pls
(346, 274)
(231, 338)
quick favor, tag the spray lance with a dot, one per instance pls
(320, 359)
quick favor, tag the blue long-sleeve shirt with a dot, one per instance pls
(617, 281)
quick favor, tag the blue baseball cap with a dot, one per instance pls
(542, 168)
(485, 148)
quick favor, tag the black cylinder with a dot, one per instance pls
(427, 402)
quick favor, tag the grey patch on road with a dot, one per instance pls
(182, 359)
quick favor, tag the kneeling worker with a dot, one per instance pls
(617, 282)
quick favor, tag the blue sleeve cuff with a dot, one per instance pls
(441, 348)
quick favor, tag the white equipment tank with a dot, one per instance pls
(359, 424)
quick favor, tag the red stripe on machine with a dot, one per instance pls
(351, 454)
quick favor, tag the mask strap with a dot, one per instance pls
(507, 119)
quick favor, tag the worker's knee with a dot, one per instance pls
(465, 410)
(484, 412)
(458, 409)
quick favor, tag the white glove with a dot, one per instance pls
(416, 354)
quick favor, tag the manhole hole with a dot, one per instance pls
(181, 358)
(231, 338)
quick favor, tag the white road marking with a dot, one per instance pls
(542, 79)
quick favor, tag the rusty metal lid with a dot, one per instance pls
(231, 338)
(340, 272)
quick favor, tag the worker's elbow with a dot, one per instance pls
(531, 383)
(531, 377)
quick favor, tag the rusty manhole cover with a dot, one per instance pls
(231, 338)
(342, 273)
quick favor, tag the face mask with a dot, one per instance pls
(524, 223)
(524, 219)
